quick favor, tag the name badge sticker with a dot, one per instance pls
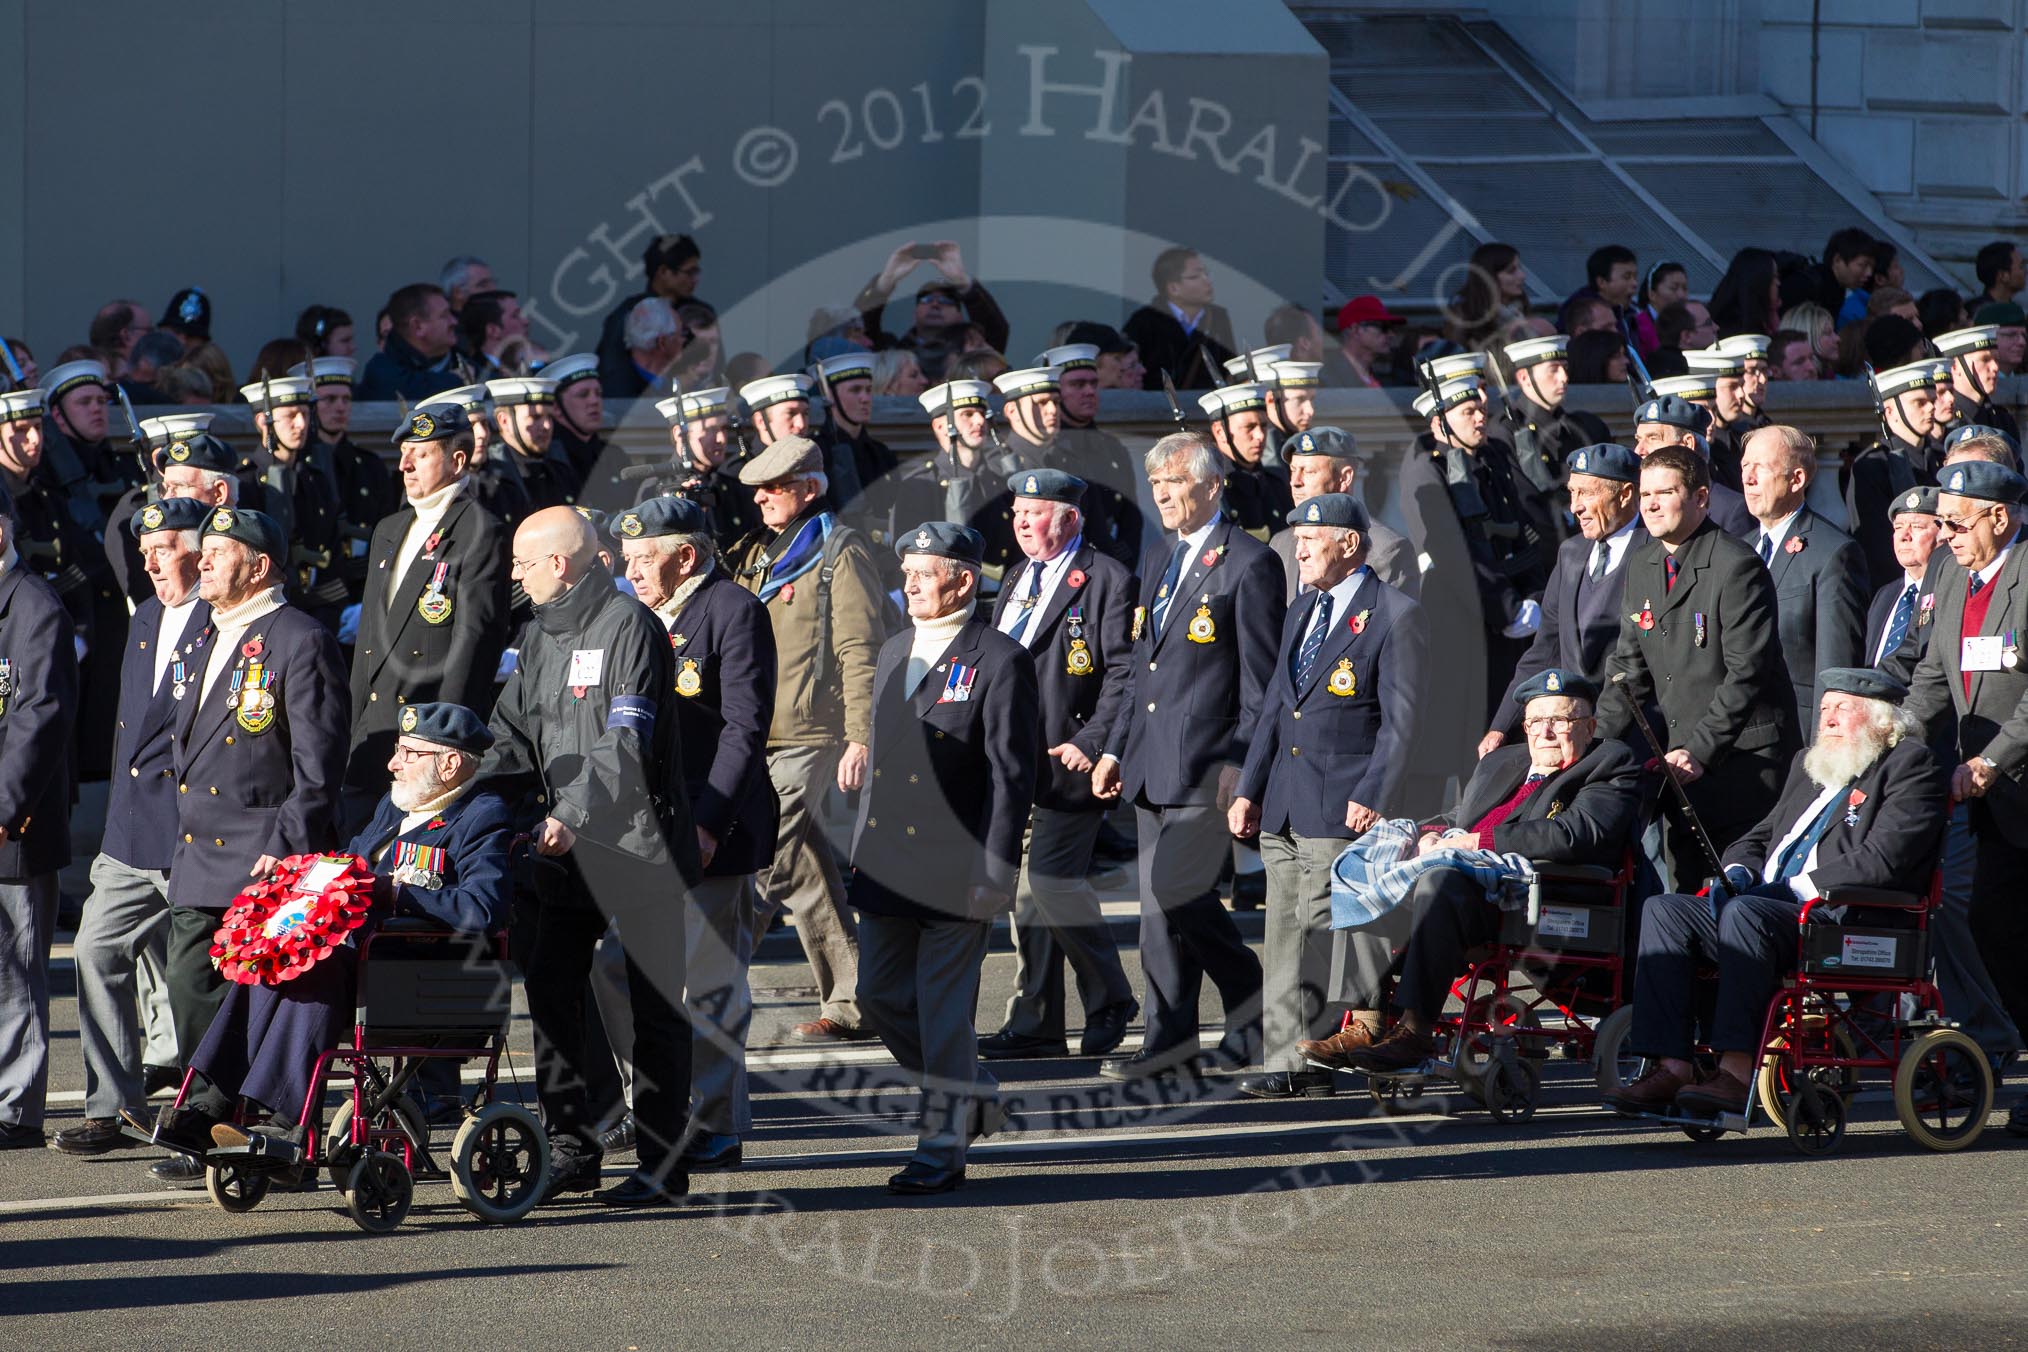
(587, 666)
(1981, 652)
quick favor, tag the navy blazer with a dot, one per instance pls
(1336, 741)
(1193, 702)
(952, 779)
(724, 648)
(37, 712)
(141, 803)
(242, 793)
(1078, 707)
(475, 834)
(1580, 622)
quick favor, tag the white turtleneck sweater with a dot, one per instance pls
(932, 640)
(429, 514)
(229, 625)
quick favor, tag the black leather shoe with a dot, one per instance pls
(16, 1136)
(2017, 1120)
(920, 1180)
(179, 1171)
(638, 1189)
(1106, 1028)
(159, 1079)
(93, 1136)
(1006, 1044)
(571, 1172)
(712, 1153)
(187, 1130)
(1249, 890)
(1144, 1064)
(618, 1138)
(1286, 1084)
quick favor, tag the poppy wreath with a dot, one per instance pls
(274, 932)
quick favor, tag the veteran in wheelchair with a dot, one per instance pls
(1857, 826)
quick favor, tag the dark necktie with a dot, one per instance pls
(1977, 585)
(1904, 615)
(1601, 555)
(1313, 642)
(1668, 572)
(1166, 592)
(1028, 602)
(1766, 547)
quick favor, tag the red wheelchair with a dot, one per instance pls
(1860, 1000)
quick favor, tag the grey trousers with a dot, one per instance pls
(804, 878)
(27, 925)
(1969, 995)
(1296, 958)
(1057, 916)
(1362, 957)
(718, 935)
(919, 986)
(122, 945)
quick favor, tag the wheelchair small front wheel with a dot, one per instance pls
(1943, 1090)
(1815, 1118)
(378, 1192)
(1614, 1066)
(500, 1163)
(1512, 1090)
(235, 1187)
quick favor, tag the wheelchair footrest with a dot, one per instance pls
(1722, 1122)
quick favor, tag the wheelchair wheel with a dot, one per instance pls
(339, 1152)
(1943, 1090)
(378, 1191)
(1814, 1116)
(1701, 1134)
(1613, 1066)
(235, 1187)
(1476, 1049)
(1778, 1079)
(500, 1163)
(1511, 1089)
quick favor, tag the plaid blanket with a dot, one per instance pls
(1376, 872)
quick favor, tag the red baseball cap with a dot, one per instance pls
(1365, 310)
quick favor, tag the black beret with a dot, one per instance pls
(1984, 480)
(432, 422)
(1051, 485)
(1920, 501)
(945, 539)
(1673, 410)
(1104, 337)
(1606, 460)
(257, 530)
(1330, 509)
(451, 725)
(600, 523)
(664, 515)
(1555, 681)
(203, 451)
(1958, 434)
(1864, 682)
(1334, 442)
(168, 514)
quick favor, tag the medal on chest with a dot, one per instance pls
(1697, 627)
(958, 687)
(179, 677)
(1140, 618)
(253, 697)
(421, 866)
(1341, 681)
(1078, 661)
(1852, 802)
(1201, 629)
(689, 681)
(434, 605)
(6, 682)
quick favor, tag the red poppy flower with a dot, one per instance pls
(251, 648)
(246, 953)
(430, 545)
(1210, 557)
(1795, 545)
(1077, 577)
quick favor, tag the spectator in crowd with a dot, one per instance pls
(834, 330)
(1850, 363)
(943, 305)
(983, 364)
(487, 322)
(188, 316)
(24, 359)
(1588, 314)
(209, 358)
(702, 364)
(183, 384)
(1612, 275)
(1791, 357)
(1890, 341)
(2000, 272)
(1291, 326)
(464, 277)
(1941, 311)
(1843, 278)
(654, 341)
(898, 374)
(1495, 294)
(1364, 324)
(671, 266)
(1814, 321)
(383, 324)
(150, 354)
(1411, 346)
(2007, 317)
(116, 328)
(1892, 300)
(1598, 358)
(327, 331)
(274, 359)
(415, 361)
(1887, 265)
(1748, 296)
(1181, 332)
(1683, 327)
(1666, 284)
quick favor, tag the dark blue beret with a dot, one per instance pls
(945, 539)
(1984, 480)
(451, 725)
(1606, 460)
(1862, 681)
(1335, 442)
(1555, 681)
(256, 530)
(1958, 434)
(1921, 501)
(1050, 485)
(663, 515)
(203, 451)
(169, 514)
(1329, 509)
(432, 422)
(1673, 410)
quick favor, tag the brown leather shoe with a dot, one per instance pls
(1402, 1049)
(1654, 1092)
(1335, 1052)
(828, 1030)
(1722, 1093)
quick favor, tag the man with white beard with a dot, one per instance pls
(1863, 807)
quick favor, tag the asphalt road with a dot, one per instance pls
(1101, 1219)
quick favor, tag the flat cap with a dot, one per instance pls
(1334, 442)
(1672, 410)
(1920, 501)
(20, 405)
(1983, 480)
(1864, 682)
(168, 514)
(1606, 460)
(1049, 485)
(434, 421)
(199, 451)
(447, 725)
(944, 540)
(658, 516)
(256, 530)
(1330, 509)
(783, 458)
(1555, 681)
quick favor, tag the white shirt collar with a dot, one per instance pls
(1778, 532)
(1618, 543)
(1189, 324)
(1196, 538)
(1992, 570)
